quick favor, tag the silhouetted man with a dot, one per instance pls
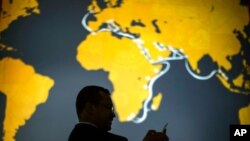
(95, 113)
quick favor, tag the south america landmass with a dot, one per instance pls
(23, 87)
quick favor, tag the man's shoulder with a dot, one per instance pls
(114, 137)
(85, 131)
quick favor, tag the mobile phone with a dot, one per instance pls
(164, 130)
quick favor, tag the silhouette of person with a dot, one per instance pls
(95, 113)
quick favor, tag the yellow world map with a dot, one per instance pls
(132, 41)
(186, 30)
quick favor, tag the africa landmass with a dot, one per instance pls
(139, 40)
(24, 88)
(132, 40)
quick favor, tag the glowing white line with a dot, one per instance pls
(84, 20)
(210, 75)
(150, 95)
(104, 29)
(126, 35)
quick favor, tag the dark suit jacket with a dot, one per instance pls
(86, 132)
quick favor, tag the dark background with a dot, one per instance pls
(195, 110)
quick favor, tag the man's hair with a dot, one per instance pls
(89, 94)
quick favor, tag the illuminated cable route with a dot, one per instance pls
(150, 96)
(177, 54)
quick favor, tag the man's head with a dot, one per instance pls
(94, 105)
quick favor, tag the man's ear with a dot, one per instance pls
(90, 108)
(88, 112)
